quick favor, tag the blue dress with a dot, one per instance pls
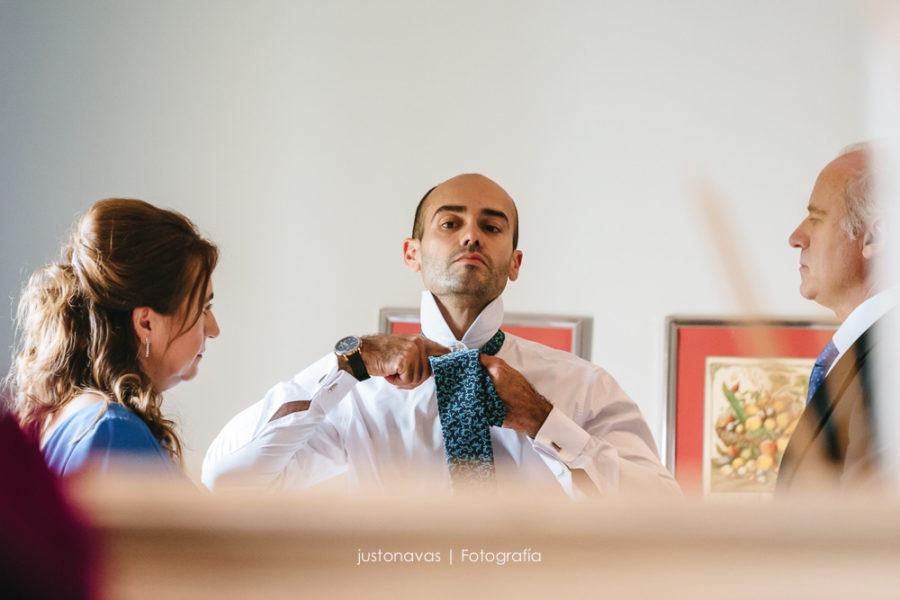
(117, 434)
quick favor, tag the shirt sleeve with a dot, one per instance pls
(297, 450)
(612, 446)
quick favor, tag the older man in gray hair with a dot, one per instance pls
(839, 240)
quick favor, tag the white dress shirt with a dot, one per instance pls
(375, 433)
(863, 317)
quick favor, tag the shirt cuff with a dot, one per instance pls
(327, 382)
(561, 436)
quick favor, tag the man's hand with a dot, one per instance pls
(401, 359)
(526, 409)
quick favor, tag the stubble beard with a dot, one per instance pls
(469, 283)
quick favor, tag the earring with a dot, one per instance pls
(146, 347)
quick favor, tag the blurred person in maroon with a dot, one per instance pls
(46, 551)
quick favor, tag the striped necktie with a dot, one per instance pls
(829, 353)
(468, 406)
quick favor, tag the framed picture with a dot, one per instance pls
(572, 334)
(736, 388)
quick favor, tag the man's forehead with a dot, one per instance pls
(828, 192)
(470, 193)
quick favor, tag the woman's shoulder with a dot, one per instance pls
(111, 426)
(124, 427)
(99, 431)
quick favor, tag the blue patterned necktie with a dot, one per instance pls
(468, 406)
(829, 353)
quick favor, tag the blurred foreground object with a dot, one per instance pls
(173, 543)
(883, 91)
(45, 551)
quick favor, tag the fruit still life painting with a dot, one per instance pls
(752, 406)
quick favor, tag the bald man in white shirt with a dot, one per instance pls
(834, 444)
(369, 411)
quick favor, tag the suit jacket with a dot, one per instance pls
(833, 446)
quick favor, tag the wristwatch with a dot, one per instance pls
(348, 348)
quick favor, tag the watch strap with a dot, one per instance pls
(357, 365)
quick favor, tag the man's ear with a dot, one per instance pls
(514, 263)
(411, 250)
(873, 239)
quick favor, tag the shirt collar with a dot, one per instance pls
(864, 316)
(435, 328)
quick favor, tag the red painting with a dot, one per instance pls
(691, 343)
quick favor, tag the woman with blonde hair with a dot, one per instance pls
(121, 318)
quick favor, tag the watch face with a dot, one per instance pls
(347, 344)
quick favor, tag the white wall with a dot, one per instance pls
(300, 135)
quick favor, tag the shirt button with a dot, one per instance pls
(457, 346)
